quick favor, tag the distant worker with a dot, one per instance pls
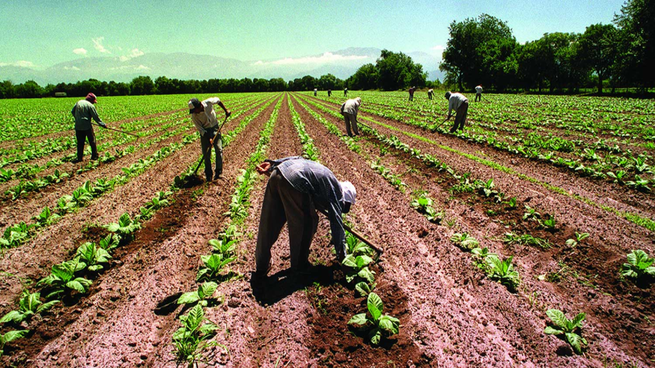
(349, 110)
(459, 103)
(478, 93)
(204, 118)
(315, 92)
(329, 92)
(296, 189)
(411, 93)
(430, 93)
(84, 111)
(345, 92)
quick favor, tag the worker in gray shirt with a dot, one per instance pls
(296, 189)
(349, 110)
(459, 103)
(204, 118)
(84, 112)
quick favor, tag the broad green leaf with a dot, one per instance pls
(188, 298)
(45, 306)
(76, 285)
(207, 289)
(363, 260)
(349, 261)
(387, 324)
(14, 335)
(358, 319)
(557, 317)
(375, 335)
(13, 316)
(208, 328)
(366, 274)
(575, 340)
(577, 321)
(375, 306)
(552, 331)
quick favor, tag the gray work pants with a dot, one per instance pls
(460, 118)
(218, 149)
(284, 204)
(351, 119)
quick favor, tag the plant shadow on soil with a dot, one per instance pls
(278, 286)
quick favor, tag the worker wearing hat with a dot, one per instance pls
(84, 111)
(204, 118)
(459, 103)
(296, 189)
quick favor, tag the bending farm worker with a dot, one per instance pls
(315, 92)
(459, 103)
(204, 118)
(478, 93)
(349, 110)
(411, 93)
(345, 92)
(296, 189)
(84, 111)
(430, 93)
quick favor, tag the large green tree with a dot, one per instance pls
(637, 43)
(597, 50)
(480, 51)
(398, 71)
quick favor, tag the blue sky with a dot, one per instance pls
(41, 33)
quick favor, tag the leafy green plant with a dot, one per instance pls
(9, 337)
(511, 203)
(93, 256)
(639, 265)
(213, 265)
(46, 217)
(356, 247)
(56, 177)
(223, 246)
(358, 268)
(15, 235)
(617, 176)
(526, 239)
(639, 183)
(62, 279)
(579, 237)
(192, 338)
(110, 242)
(125, 226)
(566, 327)
(464, 241)
(203, 296)
(28, 305)
(531, 213)
(377, 324)
(502, 271)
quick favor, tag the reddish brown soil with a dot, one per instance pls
(451, 314)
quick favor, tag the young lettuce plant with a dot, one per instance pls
(380, 325)
(28, 305)
(213, 264)
(110, 242)
(125, 226)
(95, 257)
(502, 271)
(423, 204)
(9, 337)
(464, 241)
(358, 268)
(566, 327)
(203, 296)
(46, 217)
(192, 338)
(358, 248)
(639, 265)
(62, 278)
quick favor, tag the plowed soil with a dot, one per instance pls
(451, 313)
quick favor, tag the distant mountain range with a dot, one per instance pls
(341, 63)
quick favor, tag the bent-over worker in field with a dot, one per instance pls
(430, 93)
(315, 92)
(345, 92)
(204, 118)
(459, 103)
(411, 93)
(296, 189)
(84, 111)
(349, 110)
(478, 93)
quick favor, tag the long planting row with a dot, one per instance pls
(17, 234)
(637, 267)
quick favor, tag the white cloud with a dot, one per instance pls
(20, 63)
(327, 57)
(142, 67)
(97, 43)
(134, 53)
(80, 51)
(438, 48)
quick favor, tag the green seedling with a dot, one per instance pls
(357, 248)
(358, 268)
(639, 183)
(639, 265)
(46, 217)
(223, 247)
(363, 288)
(125, 226)
(213, 265)
(464, 241)
(579, 237)
(110, 242)
(9, 337)
(566, 327)
(526, 239)
(28, 305)
(502, 271)
(531, 213)
(192, 338)
(15, 235)
(96, 258)
(203, 296)
(380, 325)
(62, 279)
(511, 203)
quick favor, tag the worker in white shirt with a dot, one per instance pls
(459, 103)
(478, 93)
(204, 118)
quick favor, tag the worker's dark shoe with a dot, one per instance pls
(217, 176)
(94, 158)
(76, 161)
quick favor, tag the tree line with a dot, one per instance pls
(483, 51)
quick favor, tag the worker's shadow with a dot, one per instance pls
(276, 287)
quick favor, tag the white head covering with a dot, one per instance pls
(349, 192)
(358, 100)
